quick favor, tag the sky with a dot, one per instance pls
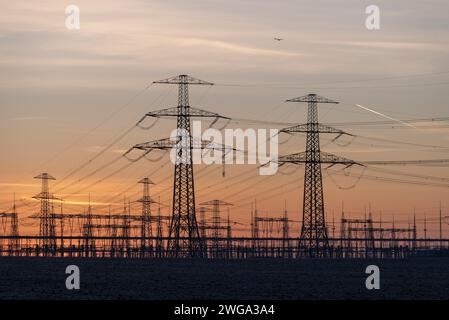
(67, 94)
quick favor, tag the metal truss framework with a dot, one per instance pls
(184, 237)
(46, 217)
(314, 241)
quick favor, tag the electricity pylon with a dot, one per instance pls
(146, 227)
(184, 238)
(89, 244)
(47, 230)
(12, 220)
(314, 237)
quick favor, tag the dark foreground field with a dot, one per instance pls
(44, 278)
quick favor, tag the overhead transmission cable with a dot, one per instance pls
(70, 146)
(111, 144)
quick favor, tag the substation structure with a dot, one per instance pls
(146, 234)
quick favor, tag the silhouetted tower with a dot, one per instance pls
(146, 227)
(126, 227)
(256, 240)
(159, 245)
(342, 232)
(414, 232)
(371, 232)
(47, 230)
(381, 234)
(409, 233)
(228, 237)
(314, 240)
(61, 231)
(255, 222)
(184, 238)
(14, 244)
(425, 231)
(285, 235)
(88, 232)
(202, 222)
(9, 226)
(370, 239)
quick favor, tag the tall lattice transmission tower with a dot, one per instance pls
(184, 238)
(47, 230)
(146, 226)
(314, 236)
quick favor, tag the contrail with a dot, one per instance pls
(384, 115)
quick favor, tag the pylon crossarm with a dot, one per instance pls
(296, 158)
(329, 158)
(312, 98)
(183, 79)
(193, 112)
(210, 145)
(318, 128)
(146, 181)
(45, 176)
(48, 196)
(162, 144)
(334, 159)
(216, 202)
(168, 143)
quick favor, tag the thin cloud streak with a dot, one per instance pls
(29, 118)
(216, 44)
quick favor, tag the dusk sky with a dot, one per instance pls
(67, 94)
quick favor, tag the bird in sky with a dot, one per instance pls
(278, 39)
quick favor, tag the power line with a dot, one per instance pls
(339, 81)
(340, 88)
(105, 120)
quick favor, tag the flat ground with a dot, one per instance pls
(44, 278)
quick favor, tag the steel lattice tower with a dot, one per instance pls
(314, 232)
(88, 232)
(14, 244)
(285, 234)
(184, 237)
(184, 222)
(47, 222)
(314, 238)
(159, 231)
(146, 227)
(202, 221)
